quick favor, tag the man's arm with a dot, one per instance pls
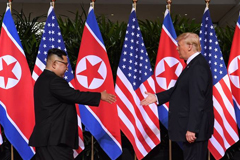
(160, 98)
(60, 88)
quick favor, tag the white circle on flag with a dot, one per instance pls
(82, 66)
(161, 81)
(233, 66)
(10, 72)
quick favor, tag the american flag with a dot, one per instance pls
(234, 70)
(52, 38)
(225, 127)
(168, 64)
(134, 77)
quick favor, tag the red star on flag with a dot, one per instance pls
(6, 72)
(91, 72)
(169, 73)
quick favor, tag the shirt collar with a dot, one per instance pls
(192, 56)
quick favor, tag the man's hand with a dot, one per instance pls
(110, 98)
(151, 98)
(190, 136)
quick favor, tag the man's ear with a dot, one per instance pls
(190, 47)
(54, 64)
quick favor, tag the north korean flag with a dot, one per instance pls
(93, 73)
(168, 65)
(16, 89)
(234, 70)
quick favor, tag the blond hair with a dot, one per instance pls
(190, 38)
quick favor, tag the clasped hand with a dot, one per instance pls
(190, 136)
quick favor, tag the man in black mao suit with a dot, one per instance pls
(56, 130)
(191, 116)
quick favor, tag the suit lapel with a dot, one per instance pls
(187, 68)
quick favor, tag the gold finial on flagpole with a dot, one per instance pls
(52, 3)
(169, 2)
(10, 4)
(92, 3)
(135, 4)
(207, 3)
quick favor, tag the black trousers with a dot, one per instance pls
(195, 151)
(59, 152)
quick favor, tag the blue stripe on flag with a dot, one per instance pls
(9, 23)
(14, 137)
(94, 127)
(169, 26)
(163, 115)
(238, 20)
(237, 112)
(92, 23)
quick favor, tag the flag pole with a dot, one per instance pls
(169, 2)
(92, 3)
(52, 3)
(207, 5)
(92, 148)
(135, 5)
(10, 6)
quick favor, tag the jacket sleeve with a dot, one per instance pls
(61, 90)
(164, 96)
(198, 86)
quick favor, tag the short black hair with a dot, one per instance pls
(55, 51)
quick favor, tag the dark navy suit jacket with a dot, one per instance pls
(190, 102)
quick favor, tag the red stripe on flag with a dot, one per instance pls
(219, 138)
(133, 121)
(219, 98)
(131, 138)
(37, 70)
(130, 116)
(152, 116)
(225, 135)
(214, 151)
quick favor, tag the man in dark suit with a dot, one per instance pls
(56, 130)
(191, 116)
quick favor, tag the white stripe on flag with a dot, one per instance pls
(101, 124)
(132, 130)
(13, 39)
(217, 146)
(228, 127)
(15, 126)
(130, 107)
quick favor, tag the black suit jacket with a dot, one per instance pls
(55, 112)
(190, 102)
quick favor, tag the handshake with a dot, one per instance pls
(110, 98)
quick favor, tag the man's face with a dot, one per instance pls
(182, 49)
(61, 66)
